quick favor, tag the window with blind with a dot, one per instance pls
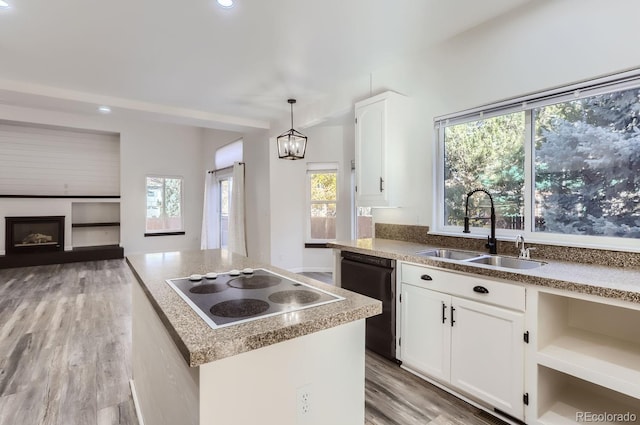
(561, 165)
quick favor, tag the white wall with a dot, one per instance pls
(288, 198)
(536, 47)
(146, 147)
(39, 160)
(160, 149)
(257, 192)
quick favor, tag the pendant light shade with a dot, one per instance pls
(292, 144)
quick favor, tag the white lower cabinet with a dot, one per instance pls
(426, 340)
(487, 354)
(456, 330)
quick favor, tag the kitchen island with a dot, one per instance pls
(299, 367)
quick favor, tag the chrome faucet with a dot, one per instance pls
(524, 252)
(492, 243)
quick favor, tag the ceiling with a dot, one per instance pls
(230, 68)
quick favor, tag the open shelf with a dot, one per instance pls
(575, 401)
(103, 224)
(95, 223)
(588, 359)
(607, 361)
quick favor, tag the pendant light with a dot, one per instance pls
(292, 144)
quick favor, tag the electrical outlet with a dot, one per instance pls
(304, 404)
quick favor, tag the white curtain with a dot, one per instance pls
(209, 238)
(237, 237)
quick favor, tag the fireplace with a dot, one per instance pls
(34, 234)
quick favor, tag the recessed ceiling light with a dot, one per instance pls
(4, 4)
(103, 109)
(223, 3)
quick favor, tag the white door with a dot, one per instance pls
(487, 354)
(370, 154)
(426, 333)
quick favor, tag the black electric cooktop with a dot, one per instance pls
(238, 296)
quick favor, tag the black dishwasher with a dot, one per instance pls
(375, 278)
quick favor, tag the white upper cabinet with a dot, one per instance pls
(380, 142)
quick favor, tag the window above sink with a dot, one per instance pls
(558, 163)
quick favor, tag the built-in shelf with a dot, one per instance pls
(104, 224)
(577, 402)
(607, 361)
(588, 358)
(95, 223)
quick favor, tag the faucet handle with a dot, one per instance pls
(526, 252)
(519, 239)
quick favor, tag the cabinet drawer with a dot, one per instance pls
(468, 286)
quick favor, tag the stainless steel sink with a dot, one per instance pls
(474, 257)
(451, 254)
(507, 262)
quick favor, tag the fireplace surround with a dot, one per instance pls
(25, 235)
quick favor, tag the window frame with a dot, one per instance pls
(324, 168)
(165, 231)
(614, 83)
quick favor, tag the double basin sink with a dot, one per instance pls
(473, 257)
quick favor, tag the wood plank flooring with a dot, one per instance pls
(65, 341)
(326, 277)
(65, 355)
(395, 396)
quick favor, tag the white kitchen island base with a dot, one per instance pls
(315, 379)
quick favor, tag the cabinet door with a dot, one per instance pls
(487, 354)
(426, 336)
(371, 123)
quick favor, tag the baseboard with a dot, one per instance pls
(136, 405)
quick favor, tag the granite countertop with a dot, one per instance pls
(199, 343)
(610, 282)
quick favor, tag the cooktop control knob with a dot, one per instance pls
(195, 277)
(234, 272)
(211, 275)
(247, 271)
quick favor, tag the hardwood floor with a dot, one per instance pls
(65, 350)
(65, 341)
(395, 396)
(326, 277)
